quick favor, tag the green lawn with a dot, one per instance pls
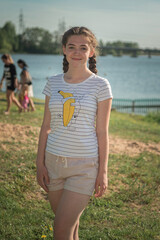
(128, 211)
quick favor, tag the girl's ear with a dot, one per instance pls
(91, 53)
(64, 49)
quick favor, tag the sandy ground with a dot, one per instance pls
(28, 135)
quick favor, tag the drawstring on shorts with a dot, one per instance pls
(64, 160)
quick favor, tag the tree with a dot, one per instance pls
(4, 45)
(102, 50)
(8, 38)
(46, 44)
(37, 40)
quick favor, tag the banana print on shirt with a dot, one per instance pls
(68, 109)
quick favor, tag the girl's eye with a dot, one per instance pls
(84, 49)
(71, 47)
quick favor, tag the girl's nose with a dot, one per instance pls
(76, 51)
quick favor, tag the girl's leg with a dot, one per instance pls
(75, 233)
(14, 99)
(20, 98)
(9, 100)
(54, 198)
(32, 104)
(69, 210)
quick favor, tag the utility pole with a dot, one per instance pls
(21, 22)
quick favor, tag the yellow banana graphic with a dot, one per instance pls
(68, 110)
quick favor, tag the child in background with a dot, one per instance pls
(25, 98)
(26, 79)
(10, 75)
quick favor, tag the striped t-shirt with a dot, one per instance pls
(73, 108)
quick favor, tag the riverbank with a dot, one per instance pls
(130, 207)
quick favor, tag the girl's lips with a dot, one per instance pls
(76, 58)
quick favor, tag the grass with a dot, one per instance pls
(135, 127)
(31, 118)
(153, 117)
(128, 211)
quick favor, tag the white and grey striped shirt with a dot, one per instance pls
(73, 108)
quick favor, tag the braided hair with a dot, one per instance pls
(92, 41)
(92, 64)
(65, 64)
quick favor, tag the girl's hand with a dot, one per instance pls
(101, 184)
(42, 176)
(15, 83)
(19, 86)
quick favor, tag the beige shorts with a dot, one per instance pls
(74, 174)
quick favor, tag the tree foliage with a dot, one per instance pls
(118, 48)
(8, 37)
(36, 40)
(39, 40)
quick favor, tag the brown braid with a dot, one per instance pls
(65, 64)
(92, 64)
(92, 41)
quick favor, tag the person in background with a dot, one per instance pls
(73, 153)
(25, 98)
(25, 78)
(11, 82)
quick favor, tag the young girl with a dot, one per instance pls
(72, 155)
(11, 82)
(25, 98)
(26, 79)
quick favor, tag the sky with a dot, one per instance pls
(110, 20)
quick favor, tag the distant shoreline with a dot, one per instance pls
(114, 55)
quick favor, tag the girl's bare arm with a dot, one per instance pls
(42, 174)
(45, 129)
(1, 82)
(102, 125)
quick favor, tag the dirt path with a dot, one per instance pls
(28, 134)
(132, 148)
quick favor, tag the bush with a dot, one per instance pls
(153, 117)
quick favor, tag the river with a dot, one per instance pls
(129, 77)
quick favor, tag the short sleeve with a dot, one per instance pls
(47, 89)
(104, 91)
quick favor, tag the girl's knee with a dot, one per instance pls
(11, 96)
(61, 232)
(63, 229)
(8, 95)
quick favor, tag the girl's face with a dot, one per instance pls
(5, 61)
(20, 65)
(78, 50)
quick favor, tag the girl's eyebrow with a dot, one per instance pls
(83, 45)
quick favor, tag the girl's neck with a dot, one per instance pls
(8, 63)
(77, 74)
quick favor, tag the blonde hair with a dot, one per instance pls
(25, 87)
(7, 57)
